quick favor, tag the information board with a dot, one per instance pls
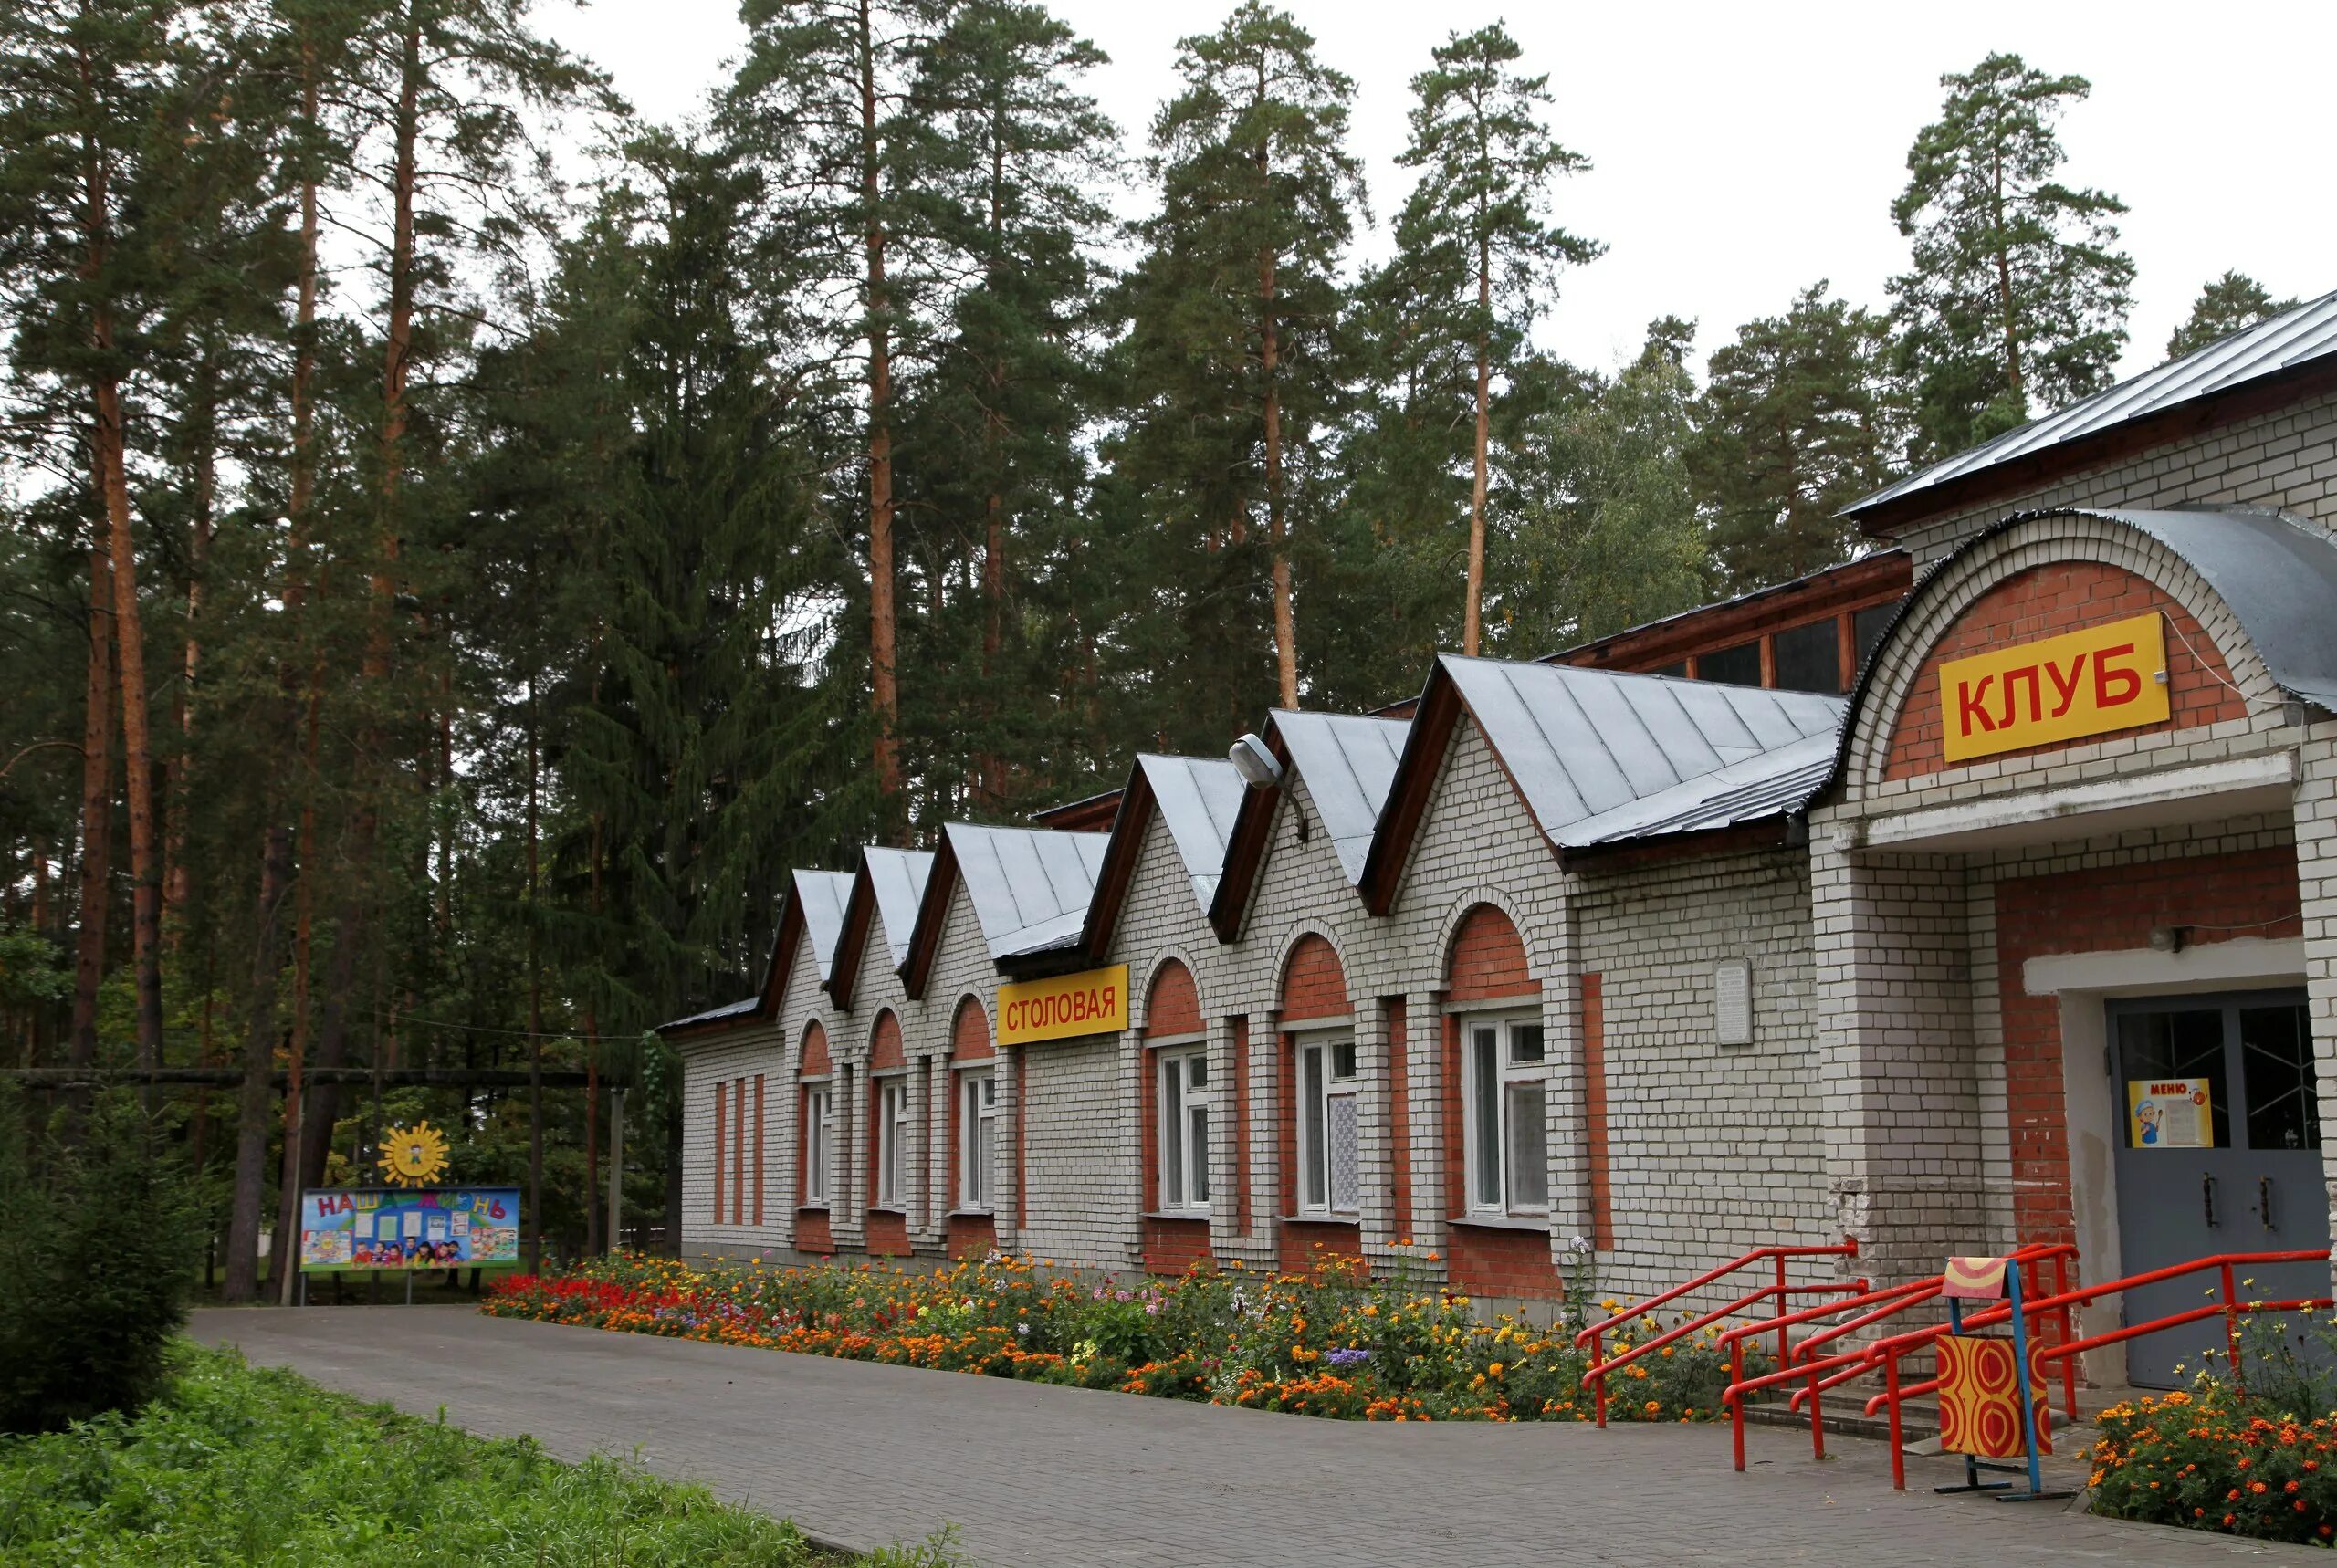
(354, 1229)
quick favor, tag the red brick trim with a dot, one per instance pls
(1241, 1125)
(971, 1235)
(813, 1233)
(1400, 1114)
(1594, 1096)
(1305, 1242)
(888, 1235)
(970, 1032)
(1483, 1261)
(1174, 1246)
(739, 1152)
(815, 1061)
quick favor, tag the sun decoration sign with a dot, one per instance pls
(1094, 1002)
(2032, 694)
(415, 1155)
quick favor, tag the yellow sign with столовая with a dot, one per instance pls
(2112, 676)
(1094, 1002)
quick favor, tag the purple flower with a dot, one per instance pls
(1347, 1358)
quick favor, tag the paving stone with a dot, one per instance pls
(1035, 1477)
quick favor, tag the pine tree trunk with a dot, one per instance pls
(96, 814)
(1473, 613)
(242, 1280)
(883, 621)
(175, 874)
(1286, 625)
(535, 1210)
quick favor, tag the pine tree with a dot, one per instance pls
(1797, 421)
(2226, 305)
(1018, 156)
(1237, 299)
(821, 108)
(2017, 295)
(1477, 257)
(1607, 533)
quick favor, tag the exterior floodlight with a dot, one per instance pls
(1256, 764)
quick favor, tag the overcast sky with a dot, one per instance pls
(1742, 152)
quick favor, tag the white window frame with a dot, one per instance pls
(1499, 1195)
(819, 1140)
(1326, 1071)
(1182, 1093)
(892, 1141)
(977, 1108)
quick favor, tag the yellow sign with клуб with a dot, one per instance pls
(2082, 682)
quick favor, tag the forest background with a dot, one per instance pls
(464, 545)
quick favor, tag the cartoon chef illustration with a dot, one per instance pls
(2147, 1114)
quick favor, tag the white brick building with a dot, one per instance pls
(1683, 943)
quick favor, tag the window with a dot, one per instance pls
(1186, 1098)
(1330, 1179)
(1507, 1137)
(1738, 666)
(892, 1141)
(977, 1137)
(819, 1142)
(1869, 625)
(1809, 657)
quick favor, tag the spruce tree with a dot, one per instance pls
(2017, 296)
(1798, 420)
(2226, 305)
(1477, 256)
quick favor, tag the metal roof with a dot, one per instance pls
(1030, 886)
(2280, 576)
(1763, 786)
(1348, 762)
(897, 879)
(2286, 341)
(821, 896)
(1197, 799)
(743, 1008)
(1621, 755)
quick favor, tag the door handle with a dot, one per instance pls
(2207, 1198)
(2264, 1201)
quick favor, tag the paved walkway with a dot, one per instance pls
(1032, 1477)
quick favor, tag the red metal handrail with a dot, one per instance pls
(1894, 1393)
(1794, 1364)
(1595, 1378)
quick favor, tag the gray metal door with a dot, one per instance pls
(2237, 1173)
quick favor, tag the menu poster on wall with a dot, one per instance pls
(2168, 1113)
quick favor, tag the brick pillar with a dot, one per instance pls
(1424, 1087)
(1566, 1099)
(847, 1209)
(1262, 1150)
(1007, 1180)
(1227, 1156)
(2316, 824)
(1376, 1152)
(1902, 1101)
(919, 1167)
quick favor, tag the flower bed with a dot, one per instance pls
(1329, 1342)
(2207, 1459)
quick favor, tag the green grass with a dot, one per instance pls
(240, 1465)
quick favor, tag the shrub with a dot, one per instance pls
(98, 1250)
(236, 1465)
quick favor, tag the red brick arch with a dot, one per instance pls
(1174, 1006)
(815, 1061)
(885, 1042)
(2045, 602)
(969, 1037)
(1487, 962)
(1314, 984)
